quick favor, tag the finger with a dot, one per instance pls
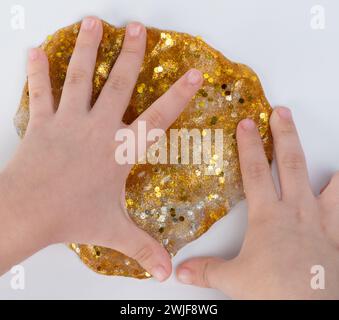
(119, 86)
(256, 174)
(207, 272)
(144, 249)
(324, 187)
(39, 85)
(330, 193)
(164, 111)
(77, 90)
(291, 162)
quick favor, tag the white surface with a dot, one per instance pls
(298, 66)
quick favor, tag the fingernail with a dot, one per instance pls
(247, 124)
(193, 76)
(88, 23)
(33, 54)
(284, 113)
(185, 276)
(159, 273)
(133, 29)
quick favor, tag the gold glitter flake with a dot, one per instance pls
(129, 202)
(141, 87)
(167, 38)
(263, 116)
(158, 69)
(169, 42)
(103, 70)
(217, 171)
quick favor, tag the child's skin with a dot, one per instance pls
(64, 185)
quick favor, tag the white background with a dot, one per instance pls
(297, 65)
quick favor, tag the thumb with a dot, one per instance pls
(207, 272)
(140, 246)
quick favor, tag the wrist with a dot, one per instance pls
(24, 229)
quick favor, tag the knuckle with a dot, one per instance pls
(76, 76)
(37, 122)
(155, 118)
(254, 143)
(34, 74)
(205, 274)
(82, 45)
(130, 51)
(256, 170)
(36, 92)
(286, 131)
(143, 254)
(180, 92)
(118, 83)
(294, 161)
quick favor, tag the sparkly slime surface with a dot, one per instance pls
(175, 203)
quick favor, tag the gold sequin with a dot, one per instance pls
(129, 202)
(158, 69)
(141, 87)
(263, 116)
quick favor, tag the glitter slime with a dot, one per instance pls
(174, 203)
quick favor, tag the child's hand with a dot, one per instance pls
(287, 234)
(64, 184)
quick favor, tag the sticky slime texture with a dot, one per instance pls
(174, 203)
